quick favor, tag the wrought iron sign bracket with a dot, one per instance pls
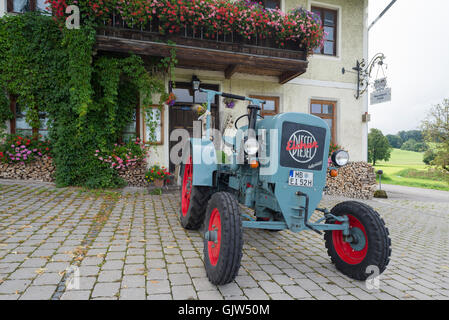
(364, 72)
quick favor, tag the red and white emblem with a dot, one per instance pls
(302, 146)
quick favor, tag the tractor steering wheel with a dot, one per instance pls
(242, 116)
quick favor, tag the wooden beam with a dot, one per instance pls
(289, 75)
(230, 70)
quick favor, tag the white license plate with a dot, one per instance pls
(300, 179)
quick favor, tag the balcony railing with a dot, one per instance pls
(195, 49)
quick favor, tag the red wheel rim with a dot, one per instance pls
(213, 248)
(344, 249)
(186, 187)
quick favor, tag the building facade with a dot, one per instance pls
(322, 90)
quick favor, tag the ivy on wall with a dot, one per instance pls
(89, 99)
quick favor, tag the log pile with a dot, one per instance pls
(135, 176)
(43, 169)
(356, 180)
(39, 170)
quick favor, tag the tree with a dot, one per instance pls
(436, 133)
(395, 141)
(413, 145)
(411, 134)
(378, 146)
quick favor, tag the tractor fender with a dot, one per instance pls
(204, 162)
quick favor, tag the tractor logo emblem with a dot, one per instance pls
(302, 146)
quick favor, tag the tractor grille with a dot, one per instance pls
(302, 146)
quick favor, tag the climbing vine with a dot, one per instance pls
(88, 98)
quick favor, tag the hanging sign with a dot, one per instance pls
(381, 92)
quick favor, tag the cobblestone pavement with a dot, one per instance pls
(130, 245)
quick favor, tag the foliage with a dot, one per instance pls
(157, 172)
(436, 132)
(88, 99)
(411, 134)
(429, 157)
(413, 145)
(378, 147)
(5, 112)
(23, 149)
(407, 168)
(395, 140)
(247, 19)
(123, 155)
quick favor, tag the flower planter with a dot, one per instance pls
(159, 183)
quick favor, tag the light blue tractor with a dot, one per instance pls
(278, 168)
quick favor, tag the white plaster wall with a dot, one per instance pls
(2, 7)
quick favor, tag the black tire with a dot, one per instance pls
(194, 217)
(222, 266)
(376, 251)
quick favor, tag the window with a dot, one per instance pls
(156, 117)
(132, 130)
(271, 4)
(271, 107)
(19, 124)
(329, 22)
(326, 110)
(21, 6)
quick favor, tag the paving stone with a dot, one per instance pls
(132, 294)
(185, 292)
(158, 287)
(255, 294)
(13, 286)
(133, 281)
(106, 289)
(38, 292)
(209, 295)
(110, 276)
(296, 292)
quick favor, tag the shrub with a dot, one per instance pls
(23, 149)
(123, 155)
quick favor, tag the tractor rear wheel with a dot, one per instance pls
(368, 244)
(193, 199)
(223, 239)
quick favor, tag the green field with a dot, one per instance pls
(406, 168)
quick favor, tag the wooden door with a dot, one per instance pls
(181, 115)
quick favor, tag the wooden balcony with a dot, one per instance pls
(229, 54)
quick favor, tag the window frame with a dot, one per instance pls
(322, 115)
(158, 143)
(10, 6)
(265, 1)
(13, 121)
(271, 98)
(336, 31)
(137, 133)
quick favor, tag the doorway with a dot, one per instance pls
(181, 115)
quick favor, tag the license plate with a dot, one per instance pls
(300, 179)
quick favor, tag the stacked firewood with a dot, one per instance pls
(135, 176)
(355, 180)
(39, 170)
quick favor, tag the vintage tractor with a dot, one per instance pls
(278, 168)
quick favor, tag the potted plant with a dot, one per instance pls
(171, 100)
(157, 175)
(229, 102)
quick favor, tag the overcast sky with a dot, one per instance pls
(414, 36)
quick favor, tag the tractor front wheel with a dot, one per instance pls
(368, 244)
(193, 199)
(223, 240)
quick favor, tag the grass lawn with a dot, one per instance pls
(406, 168)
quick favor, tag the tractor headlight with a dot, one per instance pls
(251, 146)
(340, 158)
